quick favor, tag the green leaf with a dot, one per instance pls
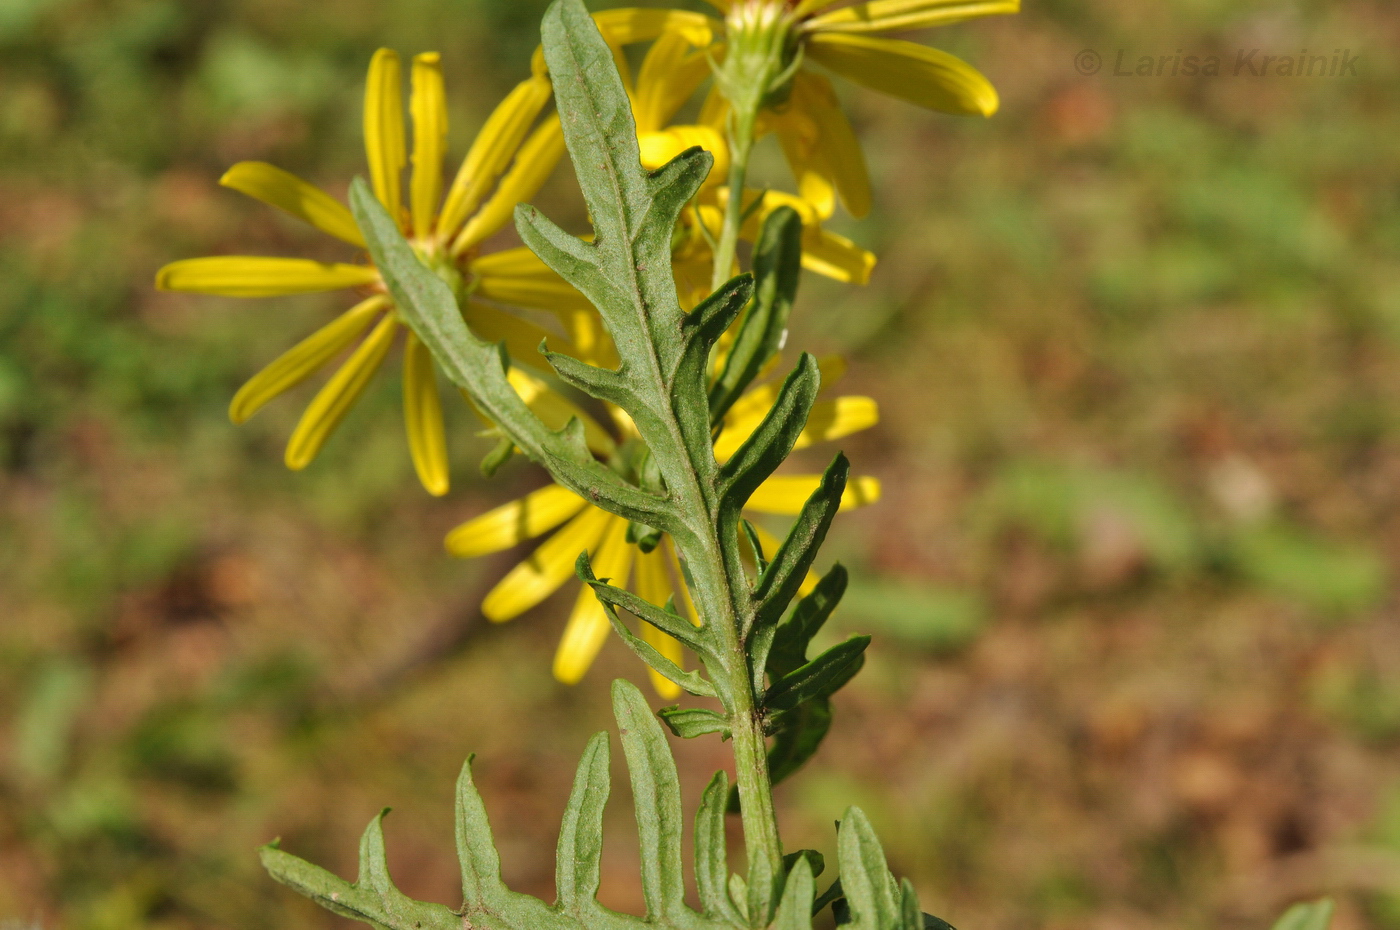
(815, 860)
(794, 635)
(795, 908)
(668, 621)
(577, 867)
(831, 896)
(1312, 915)
(779, 584)
(711, 853)
(762, 889)
(690, 681)
(690, 722)
(771, 443)
(871, 892)
(428, 305)
(755, 546)
(777, 267)
(819, 677)
(798, 737)
(372, 899)
(912, 916)
(656, 793)
(476, 847)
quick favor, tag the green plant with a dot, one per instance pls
(675, 381)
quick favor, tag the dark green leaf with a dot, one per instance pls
(828, 897)
(772, 441)
(800, 734)
(794, 635)
(779, 584)
(815, 861)
(777, 267)
(819, 677)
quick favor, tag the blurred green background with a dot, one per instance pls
(1137, 346)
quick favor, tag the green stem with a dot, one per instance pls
(760, 819)
(743, 120)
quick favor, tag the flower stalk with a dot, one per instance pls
(760, 60)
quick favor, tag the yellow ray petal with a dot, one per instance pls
(903, 15)
(537, 159)
(588, 625)
(384, 132)
(658, 148)
(755, 402)
(631, 25)
(517, 262)
(543, 291)
(428, 104)
(785, 494)
(654, 585)
(555, 410)
(798, 136)
(522, 338)
(829, 419)
(670, 74)
(513, 523)
(924, 76)
(330, 405)
(422, 413)
(839, 151)
(832, 419)
(304, 359)
(518, 277)
(771, 544)
(836, 257)
(495, 146)
(547, 568)
(256, 276)
(286, 191)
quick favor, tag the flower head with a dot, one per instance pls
(774, 40)
(509, 161)
(656, 575)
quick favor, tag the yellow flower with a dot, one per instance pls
(654, 575)
(506, 165)
(848, 39)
